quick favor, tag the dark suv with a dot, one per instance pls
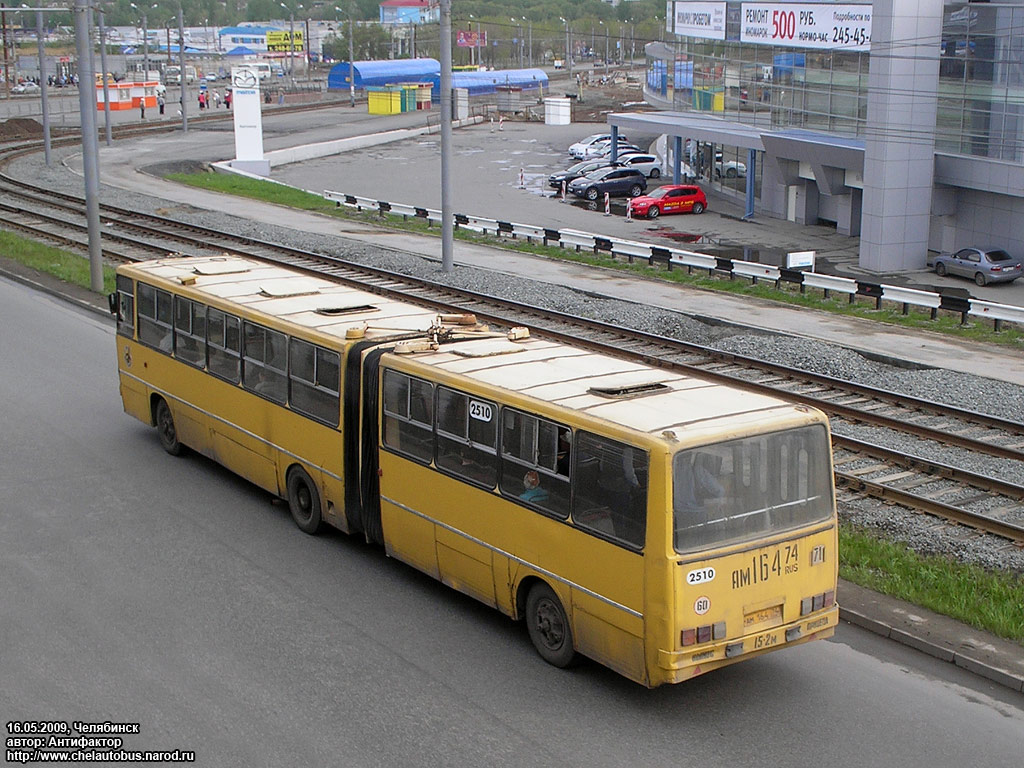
(614, 181)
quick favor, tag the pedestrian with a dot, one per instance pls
(216, 99)
(227, 98)
(142, 107)
(160, 103)
(202, 100)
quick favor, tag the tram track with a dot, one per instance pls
(919, 483)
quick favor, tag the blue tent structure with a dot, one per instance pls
(387, 72)
(241, 50)
(478, 83)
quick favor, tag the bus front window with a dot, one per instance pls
(751, 487)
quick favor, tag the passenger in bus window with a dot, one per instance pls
(562, 460)
(698, 484)
(533, 492)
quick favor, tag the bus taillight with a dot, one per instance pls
(817, 602)
(703, 634)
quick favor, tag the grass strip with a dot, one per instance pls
(69, 267)
(947, 323)
(988, 600)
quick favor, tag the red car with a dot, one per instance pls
(672, 198)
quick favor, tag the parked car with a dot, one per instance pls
(984, 265)
(728, 168)
(576, 150)
(671, 198)
(614, 181)
(648, 165)
(604, 148)
(26, 87)
(573, 172)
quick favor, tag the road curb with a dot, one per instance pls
(963, 660)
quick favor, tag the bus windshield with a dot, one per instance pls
(751, 487)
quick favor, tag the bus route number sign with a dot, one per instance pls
(480, 411)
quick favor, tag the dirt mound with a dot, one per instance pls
(17, 127)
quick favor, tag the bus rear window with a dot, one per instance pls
(747, 488)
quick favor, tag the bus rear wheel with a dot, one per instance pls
(165, 428)
(549, 626)
(304, 501)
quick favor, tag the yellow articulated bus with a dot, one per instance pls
(661, 524)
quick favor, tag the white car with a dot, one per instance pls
(648, 165)
(577, 150)
(26, 87)
(604, 149)
(728, 168)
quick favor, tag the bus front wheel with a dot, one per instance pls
(304, 501)
(549, 626)
(165, 428)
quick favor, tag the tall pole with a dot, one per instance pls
(306, 47)
(145, 47)
(351, 61)
(43, 83)
(90, 167)
(106, 86)
(447, 232)
(7, 63)
(291, 47)
(181, 63)
(531, 43)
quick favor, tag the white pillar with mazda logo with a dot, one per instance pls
(247, 107)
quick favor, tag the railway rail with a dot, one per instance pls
(921, 483)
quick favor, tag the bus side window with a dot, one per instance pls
(190, 331)
(529, 452)
(610, 487)
(467, 436)
(155, 313)
(408, 415)
(125, 306)
(223, 348)
(314, 381)
(265, 362)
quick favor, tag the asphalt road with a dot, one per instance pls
(141, 588)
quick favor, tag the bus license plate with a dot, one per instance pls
(764, 616)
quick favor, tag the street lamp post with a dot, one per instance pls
(145, 40)
(181, 64)
(351, 62)
(103, 74)
(568, 45)
(291, 39)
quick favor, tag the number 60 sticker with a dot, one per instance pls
(701, 605)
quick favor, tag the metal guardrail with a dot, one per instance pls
(954, 300)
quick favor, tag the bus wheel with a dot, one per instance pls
(304, 501)
(549, 627)
(165, 428)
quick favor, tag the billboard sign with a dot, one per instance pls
(282, 42)
(700, 19)
(807, 25)
(466, 38)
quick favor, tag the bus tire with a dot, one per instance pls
(165, 428)
(304, 501)
(549, 626)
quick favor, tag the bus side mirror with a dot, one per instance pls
(112, 299)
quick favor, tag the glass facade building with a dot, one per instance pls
(961, 62)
